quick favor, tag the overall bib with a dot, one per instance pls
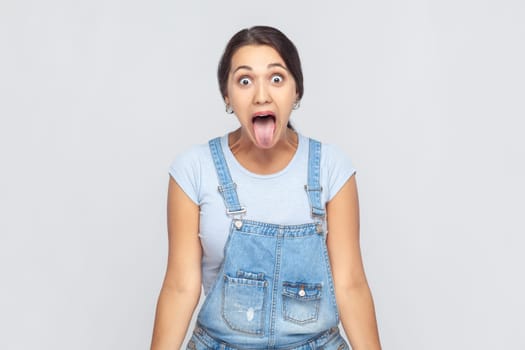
(274, 289)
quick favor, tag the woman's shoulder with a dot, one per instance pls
(336, 168)
(191, 162)
(191, 168)
(196, 153)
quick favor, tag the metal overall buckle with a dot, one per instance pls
(237, 216)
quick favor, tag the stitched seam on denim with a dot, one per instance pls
(271, 235)
(313, 187)
(202, 339)
(218, 279)
(227, 187)
(316, 342)
(212, 343)
(330, 337)
(259, 329)
(289, 297)
(276, 276)
(330, 280)
(313, 318)
(291, 227)
(273, 230)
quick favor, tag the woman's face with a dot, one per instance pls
(262, 93)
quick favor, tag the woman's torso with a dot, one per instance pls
(279, 198)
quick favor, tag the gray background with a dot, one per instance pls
(97, 98)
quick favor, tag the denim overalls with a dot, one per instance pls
(274, 289)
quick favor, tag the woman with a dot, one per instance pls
(249, 216)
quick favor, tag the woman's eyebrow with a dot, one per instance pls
(271, 65)
(242, 67)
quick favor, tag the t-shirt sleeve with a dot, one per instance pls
(339, 169)
(186, 171)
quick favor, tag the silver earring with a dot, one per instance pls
(297, 104)
(229, 109)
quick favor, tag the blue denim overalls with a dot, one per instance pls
(274, 289)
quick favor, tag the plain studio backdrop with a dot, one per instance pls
(98, 97)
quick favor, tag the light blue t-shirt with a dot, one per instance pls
(278, 198)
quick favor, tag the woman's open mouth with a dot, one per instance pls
(263, 128)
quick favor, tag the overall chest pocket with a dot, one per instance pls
(301, 301)
(243, 302)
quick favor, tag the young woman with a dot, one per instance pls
(266, 220)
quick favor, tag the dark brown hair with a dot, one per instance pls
(261, 35)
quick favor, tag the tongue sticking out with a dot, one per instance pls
(264, 128)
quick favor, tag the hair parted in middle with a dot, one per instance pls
(261, 35)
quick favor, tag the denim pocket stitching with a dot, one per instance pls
(197, 343)
(255, 287)
(309, 302)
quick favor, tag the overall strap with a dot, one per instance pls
(227, 187)
(313, 188)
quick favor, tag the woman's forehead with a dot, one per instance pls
(256, 56)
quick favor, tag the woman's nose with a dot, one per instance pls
(262, 95)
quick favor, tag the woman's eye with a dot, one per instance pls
(245, 81)
(277, 78)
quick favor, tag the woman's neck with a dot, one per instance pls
(263, 161)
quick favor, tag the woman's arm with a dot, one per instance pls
(182, 284)
(354, 299)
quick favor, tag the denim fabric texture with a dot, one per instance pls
(328, 340)
(275, 287)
